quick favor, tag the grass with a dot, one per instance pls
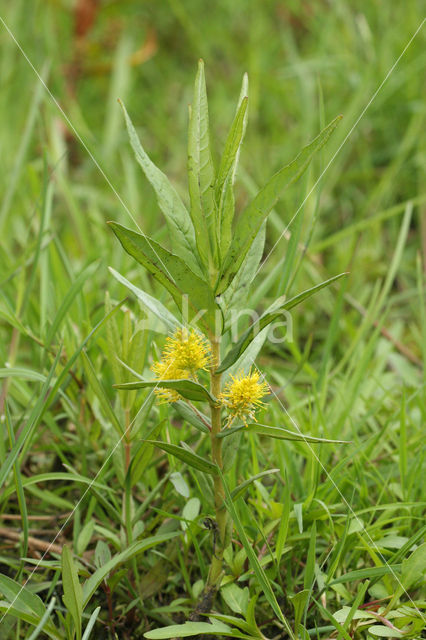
(333, 534)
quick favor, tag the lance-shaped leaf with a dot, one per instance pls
(178, 220)
(200, 629)
(236, 294)
(187, 388)
(245, 340)
(227, 169)
(198, 420)
(73, 593)
(258, 210)
(280, 433)
(152, 304)
(170, 271)
(201, 173)
(242, 488)
(187, 456)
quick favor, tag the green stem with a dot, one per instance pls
(215, 573)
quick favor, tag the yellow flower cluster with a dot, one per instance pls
(242, 396)
(185, 353)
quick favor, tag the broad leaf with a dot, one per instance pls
(178, 220)
(278, 432)
(187, 456)
(73, 593)
(242, 344)
(187, 388)
(152, 304)
(201, 173)
(170, 271)
(227, 169)
(258, 210)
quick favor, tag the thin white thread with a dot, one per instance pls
(86, 148)
(342, 144)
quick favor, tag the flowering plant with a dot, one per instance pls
(213, 260)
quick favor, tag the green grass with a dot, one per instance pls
(334, 527)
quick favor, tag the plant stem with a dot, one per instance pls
(215, 572)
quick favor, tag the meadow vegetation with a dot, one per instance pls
(305, 518)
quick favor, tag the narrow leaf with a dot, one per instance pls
(201, 172)
(242, 488)
(170, 271)
(242, 344)
(185, 412)
(227, 170)
(278, 432)
(187, 388)
(178, 220)
(258, 210)
(189, 457)
(73, 593)
(189, 629)
(152, 304)
(237, 293)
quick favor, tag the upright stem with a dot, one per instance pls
(215, 572)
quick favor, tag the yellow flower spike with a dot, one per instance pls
(188, 350)
(242, 396)
(183, 355)
(167, 370)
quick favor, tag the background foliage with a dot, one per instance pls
(353, 372)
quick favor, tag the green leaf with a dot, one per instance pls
(187, 388)
(132, 550)
(100, 393)
(227, 169)
(186, 413)
(143, 454)
(201, 173)
(192, 629)
(170, 271)
(17, 611)
(249, 335)
(73, 593)
(299, 600)
(370, 572)
(236, 598)
(261, 576)
(383, 631)
(21, 596)
(152, 304)
(278, 432)
(91, 624)
(236, 294)
(72, 292)
(189, 457)
(414, 567)
(238, 491)
(178, 220)
(258, 210)
(413, 570)
(44, 624)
